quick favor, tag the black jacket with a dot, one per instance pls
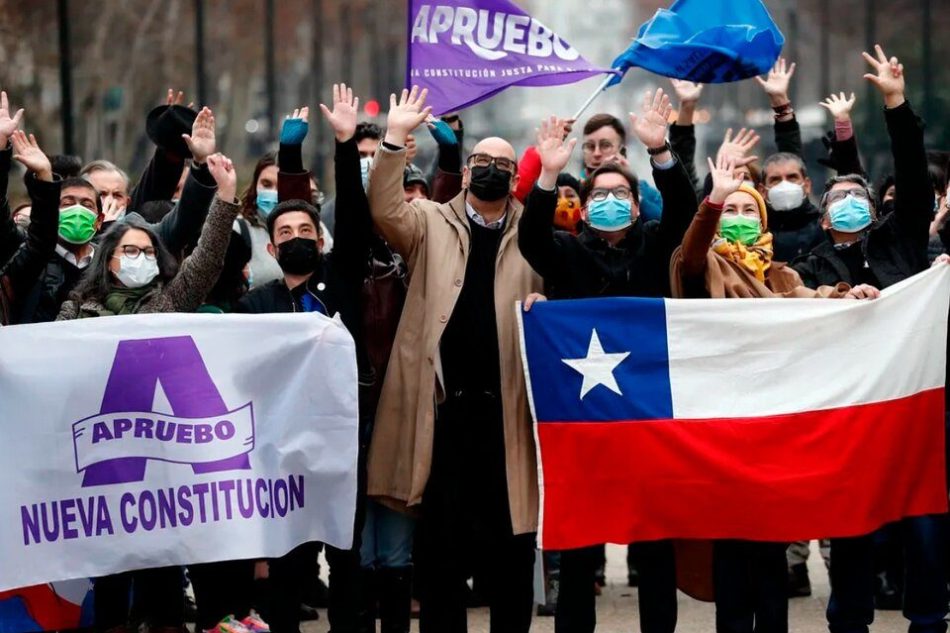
(21, 262)
(177, 230)
(896, 246)
(586, 266)
(336, 285)
(796, 232)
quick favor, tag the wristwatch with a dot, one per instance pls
(656, 151)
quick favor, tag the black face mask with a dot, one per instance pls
(489, 183)
(887, 206)
(298, 256)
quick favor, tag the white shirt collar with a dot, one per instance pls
(480, 221)
(69, 257)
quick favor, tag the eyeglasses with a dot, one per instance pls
(133, 251)
(484, 160)
(604, 145)
(834, 196)
(620, 193)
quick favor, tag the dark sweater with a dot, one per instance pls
(469, 344)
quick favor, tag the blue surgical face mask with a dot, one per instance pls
(609, 214)
(850, 215)
(266, 201)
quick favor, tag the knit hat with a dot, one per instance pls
(759, 200)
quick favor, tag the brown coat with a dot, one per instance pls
(434, 240)
(698, 271)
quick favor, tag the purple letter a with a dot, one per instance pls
(136, 370)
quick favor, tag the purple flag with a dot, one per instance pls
(465, 51)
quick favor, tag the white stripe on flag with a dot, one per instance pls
(750, 358)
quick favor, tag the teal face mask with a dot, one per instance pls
(266, 201)
(609, 214)
(850, 215)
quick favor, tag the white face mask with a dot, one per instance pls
(786, 196)
(136, 272)
(365, 164)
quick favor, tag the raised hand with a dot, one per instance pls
(406, 114)
(28, 152)
(839, 106)
(295, 127)
(724, 179)
(888, 76)
(553, 149)
(201, 142)
(686, 91)
(651, 124)
(8, 124)
(776, 82)
(111, 210)
(737, 149)
(345, 112)
(173, 98)
(224, 174)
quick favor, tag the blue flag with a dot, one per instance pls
(705, 42)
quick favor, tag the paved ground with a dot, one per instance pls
(617, 607)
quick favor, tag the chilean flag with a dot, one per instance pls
(758, 419)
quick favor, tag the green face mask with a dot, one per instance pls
(77, 224)
(740, 229)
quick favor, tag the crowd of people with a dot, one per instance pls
(425, 273)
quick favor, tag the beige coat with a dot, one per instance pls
(434, 240)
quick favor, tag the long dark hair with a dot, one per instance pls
(249, 199)
(97, 281)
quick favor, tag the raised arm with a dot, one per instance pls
(354, 226)
(679, 198)
(448, 133)
(913, 197)
(788, 134)
(161, 175)
(293, 180)
(843, 148)
(182, 227)
(536, 238)
(200, 270)
(401, 224)
(705, 223)
(683, 132)
(10, 238)
(29, 262)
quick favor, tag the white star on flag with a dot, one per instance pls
(598, 367)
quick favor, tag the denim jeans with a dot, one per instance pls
(387, 538)
(851, 608)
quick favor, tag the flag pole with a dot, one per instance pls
(590, 100)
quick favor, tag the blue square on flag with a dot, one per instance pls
(589, 361)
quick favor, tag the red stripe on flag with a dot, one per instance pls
(838, 472)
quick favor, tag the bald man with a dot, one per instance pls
(453, 438)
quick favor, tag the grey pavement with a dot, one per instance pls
(617, 607)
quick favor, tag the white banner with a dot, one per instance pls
(152, 440)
